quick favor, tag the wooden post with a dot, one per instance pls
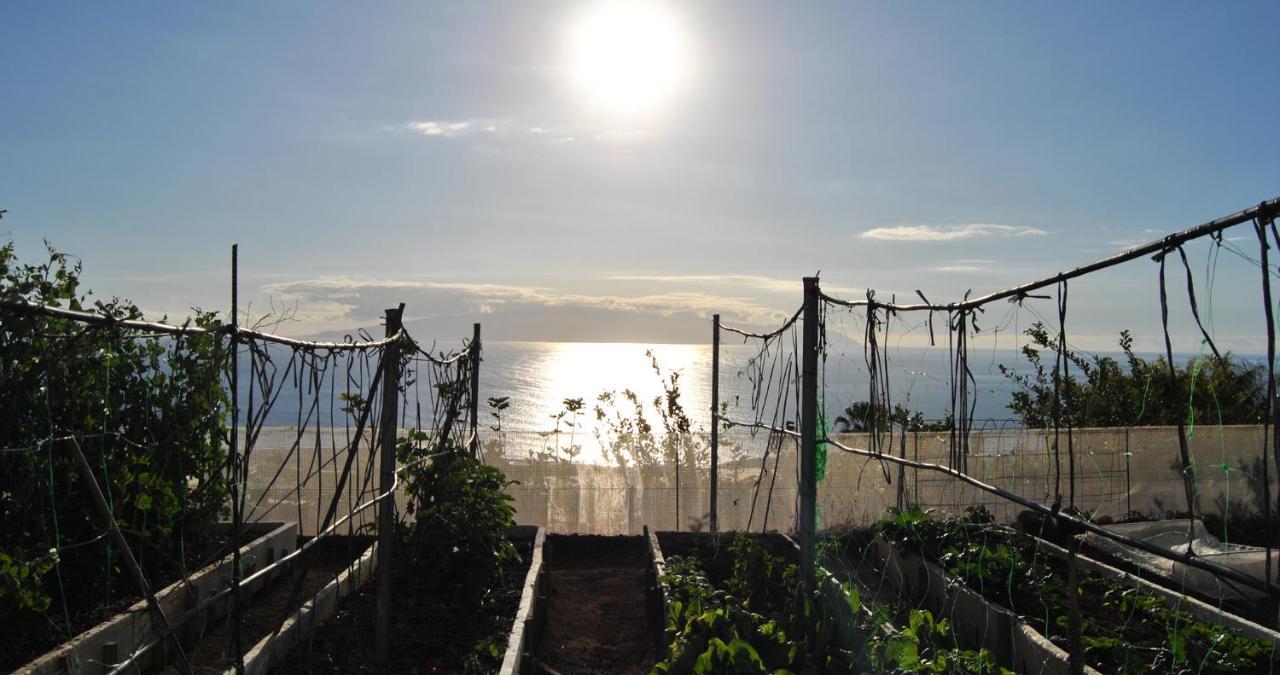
(474, 409)
(386, 480)
(809, 429)
(715, 421)
(162, 627)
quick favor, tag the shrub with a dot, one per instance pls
(149, 414)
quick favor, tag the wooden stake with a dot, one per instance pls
(162, 627)
(386, 480)
(809, 429)
(715, 421)
(474, 408)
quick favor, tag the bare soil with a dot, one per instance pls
(600, 614)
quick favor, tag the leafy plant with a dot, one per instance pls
(763, 620)
(149, 414)
(1129, 632)
(1102, 391)
(927, 646)
(456, 539)
(863, 417)
(460, 513)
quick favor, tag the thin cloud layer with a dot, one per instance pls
(754, 282)
(441, 128)
(340, 302)
(950, 232)
(959, 268)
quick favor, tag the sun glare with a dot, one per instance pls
(629, 55)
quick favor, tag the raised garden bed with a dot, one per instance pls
(531, 614)
(1012, 584)
(276, 614)
(184, 602)
(1247, 602)
(430, 631)
(734, 602)
(602, 615)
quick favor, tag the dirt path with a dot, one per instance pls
(600, 618)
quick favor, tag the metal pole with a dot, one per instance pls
(386, 479)
(233, 466)
(474, 407)
(1128, 476)
(71, 446)
(715, 421)
(809, 429)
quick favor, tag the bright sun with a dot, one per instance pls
(629, 55)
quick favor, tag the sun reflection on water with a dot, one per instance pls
(548, 373)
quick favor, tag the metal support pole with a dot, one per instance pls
(233, 467)
(162, 627)
(388, 428)
(715, 421)
(474, 407)
(809, 429)
(1128, 477)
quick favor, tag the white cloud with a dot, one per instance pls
(771, 284)
(950, 232)
(357, 299)
(959, 268)
(511, 131)
(441, 128)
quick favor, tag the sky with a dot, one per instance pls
(449, 155)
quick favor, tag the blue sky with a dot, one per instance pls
(438, 154)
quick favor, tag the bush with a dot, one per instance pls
(149, 414)
(456, 539)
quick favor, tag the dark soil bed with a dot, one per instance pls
(428, 634)
(600, 618)
(267, 609)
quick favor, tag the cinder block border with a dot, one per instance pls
(1013, 642)
(1171, 598)
(299, 626)
(97, 650)
(532, 612)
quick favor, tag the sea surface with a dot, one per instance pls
(537, 378)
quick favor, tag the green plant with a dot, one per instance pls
(1101, 391)
(763, 620)
(712, 631)
(149, 414)
(927, 646)
(456, 537)
(863, 417)
(460, 512)
(1129, 632)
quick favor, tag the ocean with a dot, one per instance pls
(537, 378)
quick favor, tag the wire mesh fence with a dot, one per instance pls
(188, 467)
